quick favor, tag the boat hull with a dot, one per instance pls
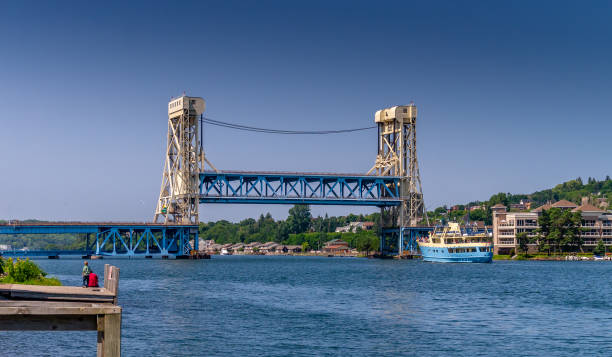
(441, 255)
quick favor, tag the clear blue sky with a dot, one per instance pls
(513, 96)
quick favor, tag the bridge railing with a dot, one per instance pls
(295, 188)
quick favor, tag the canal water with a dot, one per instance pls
(316, 306)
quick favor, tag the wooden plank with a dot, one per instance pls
(113, 282)
(106, 275)
(68, 293)
(34, 303)
(59, 310)
(39, 297)
(100, 348)
(48, 323)
(111, 347)
(55, 290)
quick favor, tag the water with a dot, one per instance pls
(295, 306)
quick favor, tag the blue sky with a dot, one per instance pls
(512, 96)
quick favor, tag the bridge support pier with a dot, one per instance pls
(402, 241)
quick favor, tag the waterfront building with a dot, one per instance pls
(336, 246)
(214, 248)
(353, 226)
(252, 247)
(596, 225)
(269, 248)
(291, 248)
(234, 248)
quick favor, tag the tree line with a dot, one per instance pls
(300, 228)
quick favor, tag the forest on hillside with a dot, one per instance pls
(572, 190)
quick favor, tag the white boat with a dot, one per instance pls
(452, 244)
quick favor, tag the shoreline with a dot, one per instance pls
(543, 257)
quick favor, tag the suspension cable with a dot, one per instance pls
(278, 131)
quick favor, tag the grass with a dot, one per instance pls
(539, 256)
(501, 257)
(39, 281)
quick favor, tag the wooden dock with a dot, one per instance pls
(66, 308)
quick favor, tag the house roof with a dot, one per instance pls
(337, 246)
(564, 204)
(587, 208)
(542, 208)
(499, 205)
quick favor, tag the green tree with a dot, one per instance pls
(366, 243)
(305, 247)
(299, 219)
(559, 230)
(499, 198)
(600, 249)
(522, 240)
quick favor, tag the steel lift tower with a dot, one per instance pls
(179, 195)
(397, 157)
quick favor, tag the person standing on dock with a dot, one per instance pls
(85, 274)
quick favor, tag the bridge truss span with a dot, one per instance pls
(299, 188)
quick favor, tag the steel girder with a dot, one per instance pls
(317, 189)
(157, 241)
(120, 240)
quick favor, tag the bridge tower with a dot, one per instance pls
(397, 157)
(179, 195)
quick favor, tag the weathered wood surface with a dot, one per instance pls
(48, 323)
(109, 335)
(64, 293)
(111, 280)
(16, 307)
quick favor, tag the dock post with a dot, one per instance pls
(109, 335)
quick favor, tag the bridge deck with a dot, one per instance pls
(111, 238)
(295, 188)
(16, 227)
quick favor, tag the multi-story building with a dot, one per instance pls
(596, 225)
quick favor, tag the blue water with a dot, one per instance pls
(296, 306)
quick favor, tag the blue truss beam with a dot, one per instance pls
(298, 188)
(113, 239)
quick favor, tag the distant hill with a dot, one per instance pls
(573, 191)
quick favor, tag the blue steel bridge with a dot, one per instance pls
(186, 183)
(299, 188)
(163, 240)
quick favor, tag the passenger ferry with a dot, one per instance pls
(451, 244)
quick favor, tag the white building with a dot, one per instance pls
(596, 225)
